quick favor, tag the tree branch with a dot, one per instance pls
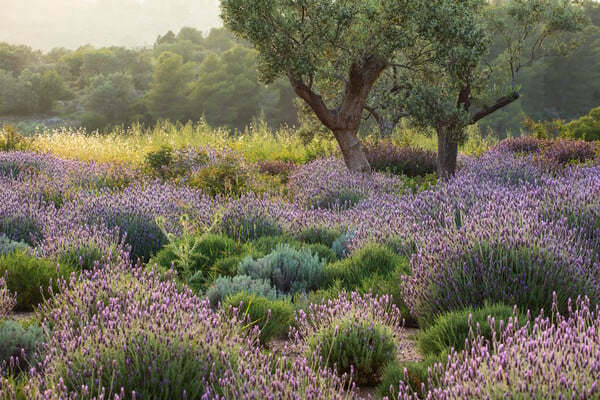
(500, 103)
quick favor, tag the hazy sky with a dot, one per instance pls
(44, 24)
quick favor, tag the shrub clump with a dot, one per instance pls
(289, 270)
(227, 286)
(273, 317)
(359, 334)
(512, 272)
(109, 343)
(29, 276)
(197, 255)
(386, 156)
(453, 329)
(21, 343)
(555, 356)
(8, 246)
(226, 176)
(563, 152)
(372, 259)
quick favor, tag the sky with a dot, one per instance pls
(45, 24)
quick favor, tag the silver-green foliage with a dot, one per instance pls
(289, 270)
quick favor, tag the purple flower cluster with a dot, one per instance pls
(566, 151)
(121, 333)
(327, 183)
(411, 161)
(354, 307)
(554, 357)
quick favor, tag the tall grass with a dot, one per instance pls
(256, 143)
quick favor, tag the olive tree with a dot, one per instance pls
(332, 52)
(464, 83)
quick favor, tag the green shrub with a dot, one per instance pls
(450, 330)
(273, 317)
(194, 256)
(8, 246)
(82, 258)
(380, 284)
(324, 252)
(266, 244)
(158, 162)
(318, 234)
(22, 342)
(226, 286)
(11, 139)
(361, 346)
(28, 276)
(417, 374)
(226, 177)
(289, 270)
(371, 259)
(228, 266)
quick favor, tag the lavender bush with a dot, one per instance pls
(411, 161)
(554, 356)
(359, 334)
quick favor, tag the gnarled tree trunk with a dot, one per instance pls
(447, 153)
(352, 150)
(344, 120)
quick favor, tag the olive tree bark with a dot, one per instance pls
(447, 146)
(344, 120)
(447, 153)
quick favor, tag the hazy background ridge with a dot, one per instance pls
(45, 24)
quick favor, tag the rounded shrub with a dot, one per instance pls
(29, 276)
(289, 270)
(359, 333)
(190, 254)
(226, 176)
(360, 349)
(226, 286)
(452, 329)
(518, 273)
(273, 317)
(103, 339)
(370, 260)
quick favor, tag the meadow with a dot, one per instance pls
(183, 263)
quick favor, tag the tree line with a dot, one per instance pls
(183, 76)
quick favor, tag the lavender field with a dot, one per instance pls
(173, 279)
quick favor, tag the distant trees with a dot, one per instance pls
(170, 87)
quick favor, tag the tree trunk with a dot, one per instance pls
(447, 152)
(352, 150)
